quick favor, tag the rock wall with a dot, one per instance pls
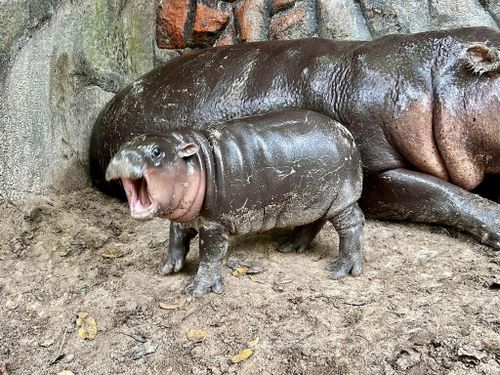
(203, 23)
(61, 61)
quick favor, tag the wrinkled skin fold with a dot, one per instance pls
(424, 110)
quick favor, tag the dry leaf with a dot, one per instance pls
(87, 327)
(251, 269)
(112, 253)
(197, 335)
(243, 355)
(253, 343)
(240, 271)
(66, 372)
(173, 303)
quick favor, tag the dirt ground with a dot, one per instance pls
(428, 301)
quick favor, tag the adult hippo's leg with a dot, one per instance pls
(178, 247)
(349, 226)
(301, 237)
(402, 194)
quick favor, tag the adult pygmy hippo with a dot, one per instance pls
(293, 169)
(424, 110)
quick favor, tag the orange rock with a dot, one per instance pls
(210, 21)
(280, 23)
(228, 37)
(280, 5)
(171, 23)
(252, 20)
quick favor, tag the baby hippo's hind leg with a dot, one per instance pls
(349, 226)
(301, 237)
(178, 247)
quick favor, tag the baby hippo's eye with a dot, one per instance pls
(155, 152)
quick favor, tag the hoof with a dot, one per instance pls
(292, 247)
(170, 264)
(201, 286)
(491, 240)
(341, 268)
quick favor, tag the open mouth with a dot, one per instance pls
(141, 204)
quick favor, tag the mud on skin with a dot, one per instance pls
(285, 169)
(423, 109)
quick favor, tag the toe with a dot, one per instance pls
(340, 273)
(200, 287)
(196, 289)
(287, 247)
(290, 247)
(200, 291)
(179, 263)
(301, 249)
(170, 265)
(166, 267)
(331, 266)
(356, 268)
(341, 269)
(494, 243)
(218, 287)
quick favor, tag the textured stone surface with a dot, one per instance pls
(228, 35)
(456, 13)
(279, 5)
(210, 20)
(12, 19)
(172, 23)
(64, 64)
(337, 19)
(297, 22)
(493, 7)
(18, 15)
(342, 19)
(252, 19)
(394, 16)
(60, 61)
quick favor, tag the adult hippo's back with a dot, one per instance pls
(423, 108)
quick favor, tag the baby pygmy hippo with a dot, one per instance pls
(289, 169)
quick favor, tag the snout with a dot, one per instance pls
(128, 164)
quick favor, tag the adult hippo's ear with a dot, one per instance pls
(188, 149)
(482, 58)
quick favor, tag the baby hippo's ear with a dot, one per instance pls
(187, 149)
(482, 58)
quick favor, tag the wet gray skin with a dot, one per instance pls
(424, 110)
(287, 169)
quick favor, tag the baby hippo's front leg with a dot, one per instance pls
(213, 249)
(178, 247)
(349, 226)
